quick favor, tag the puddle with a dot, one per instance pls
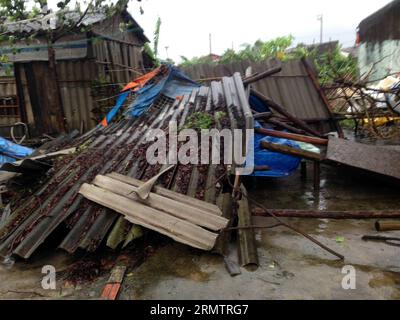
(173, 261)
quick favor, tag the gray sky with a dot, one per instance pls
(186, 24)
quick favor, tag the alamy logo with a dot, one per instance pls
(349, 280)
(190, 147)
(49, 280)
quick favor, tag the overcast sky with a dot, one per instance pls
(186, 24)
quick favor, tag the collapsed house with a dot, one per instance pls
(105, 192)
(93, 60)
(117, 147)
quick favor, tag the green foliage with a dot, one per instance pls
(149, 51)
(156, 37)
(13, 9)
(330, 66)
(259, 51)
(220, 115)
(199, 120)
(196, 60)
(334, 65)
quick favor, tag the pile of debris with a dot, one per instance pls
(120, 148)
(107, 192)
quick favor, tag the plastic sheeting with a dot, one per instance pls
(281, 165)
(174, 84)
(10, 152)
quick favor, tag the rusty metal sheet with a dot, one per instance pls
(378, 159)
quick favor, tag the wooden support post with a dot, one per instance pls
(317, 176)
(303, 170)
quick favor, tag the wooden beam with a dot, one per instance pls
(262, 75)
(291, 151)
(292, 136)
(273, 105)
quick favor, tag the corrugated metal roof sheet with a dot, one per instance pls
(292, 88)
(120, 148)
(52, 21)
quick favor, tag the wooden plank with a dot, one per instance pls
(174, 207)
(169, 194)
(159, 221)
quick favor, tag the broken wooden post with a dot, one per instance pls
(387, 225)
(262, 75)
(247, 245)
(317, 175)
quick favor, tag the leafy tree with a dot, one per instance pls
(330, 66)
(334, 65)
(156, 37)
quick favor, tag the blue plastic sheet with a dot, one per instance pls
(174, 84)
(121, 98)
(280, 165)
(10, 152)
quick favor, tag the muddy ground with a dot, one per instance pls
(291, 267)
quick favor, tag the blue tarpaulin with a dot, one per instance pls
(121, 98)
(174, 84)
(10, 152)
(281, 165)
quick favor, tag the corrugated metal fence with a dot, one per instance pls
(9, 105)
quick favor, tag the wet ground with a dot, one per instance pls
(291, 267)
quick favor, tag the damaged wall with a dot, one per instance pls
(379, 42)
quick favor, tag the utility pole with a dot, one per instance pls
(210, 44)
(320, 18)
(166, 50)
